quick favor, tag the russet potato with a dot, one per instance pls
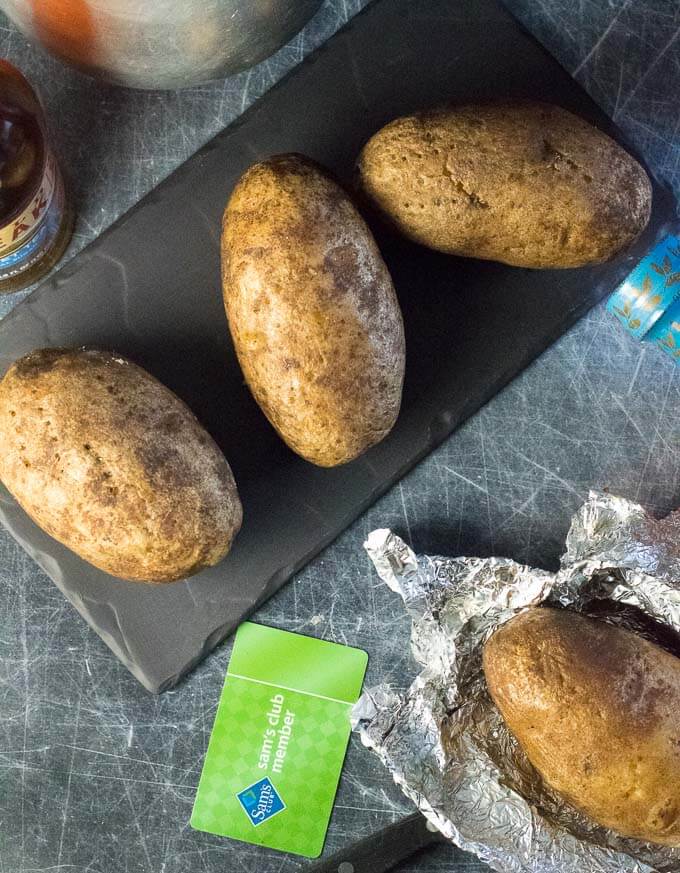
(312, 311)
(528, 184)
(595, 707)
(113, 465)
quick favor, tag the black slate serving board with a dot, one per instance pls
(149, 288)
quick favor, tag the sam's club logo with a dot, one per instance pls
(260, 801)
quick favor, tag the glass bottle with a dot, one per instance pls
(35, 221)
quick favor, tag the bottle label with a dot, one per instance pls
(22, 228)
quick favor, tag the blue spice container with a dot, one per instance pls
(647, 303)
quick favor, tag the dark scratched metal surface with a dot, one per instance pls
(95, 774)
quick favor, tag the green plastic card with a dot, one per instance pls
(279, 740)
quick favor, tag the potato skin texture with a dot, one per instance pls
(114, 466)
(528, 184)
(595, 708)
(312, 311)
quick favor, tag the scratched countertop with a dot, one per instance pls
(98, 776)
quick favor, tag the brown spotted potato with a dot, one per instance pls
(113, 465)
(312, 311)
(595, 707)
(528, 184)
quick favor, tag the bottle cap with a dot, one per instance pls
(647, 302)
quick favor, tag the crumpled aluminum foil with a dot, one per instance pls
(444, 741)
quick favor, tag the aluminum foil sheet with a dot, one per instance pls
(444, 741)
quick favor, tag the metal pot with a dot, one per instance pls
(161, 43)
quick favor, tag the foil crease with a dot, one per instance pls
(444, 741)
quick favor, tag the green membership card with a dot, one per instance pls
(279, 740)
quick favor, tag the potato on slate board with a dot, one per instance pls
(528, 184)
(113, 465)
(595, 707)
(312, 311)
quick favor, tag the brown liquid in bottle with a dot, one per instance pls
(35, 225)
(21, 158)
